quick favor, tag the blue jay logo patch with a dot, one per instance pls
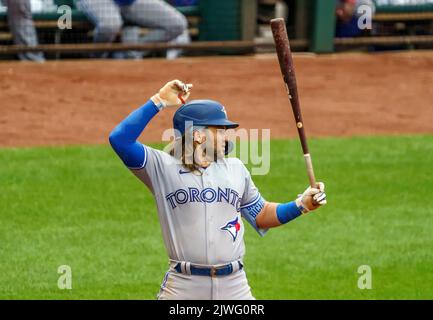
(233, 228)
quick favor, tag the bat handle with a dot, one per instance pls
(310, 171)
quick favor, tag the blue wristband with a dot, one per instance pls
(287, 212)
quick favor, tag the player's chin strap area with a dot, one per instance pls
(205, 270)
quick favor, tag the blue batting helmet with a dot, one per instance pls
(201, 113)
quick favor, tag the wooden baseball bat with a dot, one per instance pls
(285, 58)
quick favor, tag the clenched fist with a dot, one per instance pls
(173, 94)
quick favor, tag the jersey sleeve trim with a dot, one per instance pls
(144, 160)
(251, 211)
(256, 199)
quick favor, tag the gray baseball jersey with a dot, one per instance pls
(201, 214)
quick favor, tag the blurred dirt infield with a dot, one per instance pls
(79, 102)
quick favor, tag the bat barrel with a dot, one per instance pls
(284, 53)
(285, 59)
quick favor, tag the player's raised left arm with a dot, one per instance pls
(124, 136)
(276, 214)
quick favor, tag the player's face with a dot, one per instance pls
(217, 137)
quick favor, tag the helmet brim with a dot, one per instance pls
(221, 123)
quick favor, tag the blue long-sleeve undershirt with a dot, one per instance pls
(124, 137)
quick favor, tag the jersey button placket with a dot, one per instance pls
(206, 226)
(208, 220)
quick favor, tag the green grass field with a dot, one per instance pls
(79, 206)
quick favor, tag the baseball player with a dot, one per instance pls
(201, 196)
(110, 17)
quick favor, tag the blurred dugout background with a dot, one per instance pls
(206, 26)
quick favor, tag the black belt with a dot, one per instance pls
(224, 270)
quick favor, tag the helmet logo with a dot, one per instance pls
(224, 110)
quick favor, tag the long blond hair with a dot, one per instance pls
(183, 150)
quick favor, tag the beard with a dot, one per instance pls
(211, 151)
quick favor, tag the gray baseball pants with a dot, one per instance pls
(22, 27)
(180, 286)
(166, 22)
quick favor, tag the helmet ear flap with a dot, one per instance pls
(228, 147)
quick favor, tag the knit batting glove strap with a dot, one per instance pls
(159, 103)
(301, 205)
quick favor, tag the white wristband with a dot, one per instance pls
(159, 103)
